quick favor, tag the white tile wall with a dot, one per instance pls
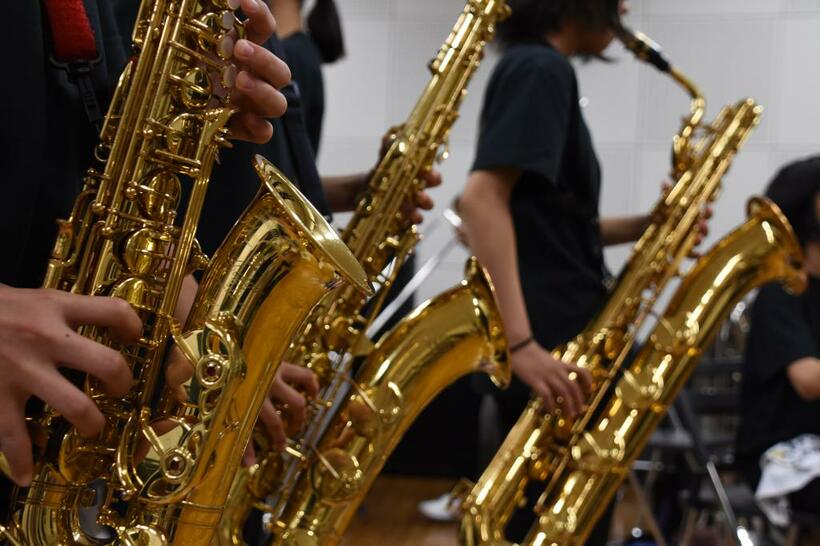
(768, 49)
(798, 77)
(730, 8)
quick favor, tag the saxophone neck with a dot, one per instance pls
(483, 14)
(647, 50)
(378, 227)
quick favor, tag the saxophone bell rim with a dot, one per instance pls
(313, 225)
(767, 210)
(480, 281)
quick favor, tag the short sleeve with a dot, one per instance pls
(525, 118)
(780, 334)
(306, 69)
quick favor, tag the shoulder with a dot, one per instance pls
(542, 61)
(774, 295)
(304, 60)
(533, 70)
(299, 47)
(776, 308)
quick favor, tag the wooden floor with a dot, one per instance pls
(390, 517)
(391, 511)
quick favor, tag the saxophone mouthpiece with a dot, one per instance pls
(644, 48)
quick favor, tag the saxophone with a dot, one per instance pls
(702, 154)
(586, 476)
(461, 327)
(156, 474)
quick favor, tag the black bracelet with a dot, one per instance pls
(521, 344)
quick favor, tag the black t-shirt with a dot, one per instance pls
(785, 328)
(234, 184)
(531, 120)
(47, 141)
(46, 150)
(305, 63)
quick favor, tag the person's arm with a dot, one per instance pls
(342, 191)
(294, 384)
(628, 229)
(781, 341)
(488, 222)
(623, 229)
(804, 375)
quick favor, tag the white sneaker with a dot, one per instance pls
(443, 508)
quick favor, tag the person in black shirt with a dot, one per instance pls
(306, 65)
(530, 206)
(780, 395)
(322, 43)
(308, 44)
(46, 146)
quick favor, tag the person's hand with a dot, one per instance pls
(292, 386)
(37, 336)
(260, 76)
(178, 371)
(702, 225)
(422, 200)
(560, 385)
(411, 209)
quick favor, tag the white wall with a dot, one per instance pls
(767, 49)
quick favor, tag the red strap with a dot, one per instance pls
(70, 30)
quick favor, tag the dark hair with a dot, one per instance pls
(325, 27)
(794, 189)
(531, 20)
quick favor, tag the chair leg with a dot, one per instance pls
(691, 525)
(793, 535)
(723, 499)
(646, 509)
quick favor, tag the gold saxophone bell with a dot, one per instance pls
(278, 262)
(456, 333)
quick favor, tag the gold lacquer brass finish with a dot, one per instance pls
(430, 349)
(158, 473)
(762, 250)
(279, 260)
(702, 154)
(379, 237)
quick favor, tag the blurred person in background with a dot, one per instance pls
(308, 44)
(531, 206)
(778, 442)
